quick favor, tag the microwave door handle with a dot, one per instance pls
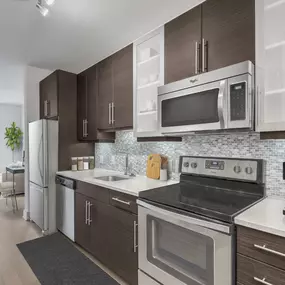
(221, 103)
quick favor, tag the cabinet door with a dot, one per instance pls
(81, 106)
(105, 94)
(123, 87)
(182, 38)
(270, 77)
(49, 91)
(82, 229)
(123, 243)
(228, 31)
(92, 92)
(99, 231)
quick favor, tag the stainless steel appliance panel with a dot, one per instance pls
(178, 249)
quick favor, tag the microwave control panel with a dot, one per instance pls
(238, 101)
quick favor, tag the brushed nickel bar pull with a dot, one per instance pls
(262, 281)
(83, 128)
(203, 55)
(86, 128)
(121, 201)
(86, 212)
(264, 248)
(89, 213)
(45, 108)
(135, 236)
(110, 115)
(113, 112)
(196, 57)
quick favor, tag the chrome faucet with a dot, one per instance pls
(127, 164)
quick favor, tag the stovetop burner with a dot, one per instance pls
(211, 194)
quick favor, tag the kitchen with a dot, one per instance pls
(196, 91)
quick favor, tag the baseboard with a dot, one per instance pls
(26, 215)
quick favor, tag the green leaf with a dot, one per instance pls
(13, 136)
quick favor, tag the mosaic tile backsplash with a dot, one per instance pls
(226, 145)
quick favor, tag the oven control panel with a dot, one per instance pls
(236, 169)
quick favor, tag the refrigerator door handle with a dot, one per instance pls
(39, 151)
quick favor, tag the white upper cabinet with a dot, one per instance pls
(148, 75)
(270, 65)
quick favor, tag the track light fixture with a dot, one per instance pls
(41, 6)
(50, 2)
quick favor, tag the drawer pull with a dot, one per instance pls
(121, 201)
(264, 248)
(262, 281)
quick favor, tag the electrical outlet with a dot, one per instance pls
(101, 159)
(113, 160)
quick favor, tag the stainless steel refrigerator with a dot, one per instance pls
(43, 165)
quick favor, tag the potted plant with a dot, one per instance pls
(13, 136)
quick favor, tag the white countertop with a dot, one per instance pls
(266, 216)
(131, 186)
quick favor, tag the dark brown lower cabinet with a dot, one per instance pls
(122, 244)
(111, 234)
(82, 229)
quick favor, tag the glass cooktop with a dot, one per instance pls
(221, 200)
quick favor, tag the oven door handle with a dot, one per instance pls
(221, 103)
(187, 219)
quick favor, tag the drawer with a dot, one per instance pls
(262, 246)
(253, 272)
(123, 201)
(93, 191)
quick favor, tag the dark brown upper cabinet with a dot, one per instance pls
(123, 88)
(215, 34)
(58, 101)
(115, 95)
(182, 41)
(105, 94)
(49, 97)
(87, 120)
(228, 31)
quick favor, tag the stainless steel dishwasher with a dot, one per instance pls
(65, 206)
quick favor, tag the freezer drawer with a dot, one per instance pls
(37, 205)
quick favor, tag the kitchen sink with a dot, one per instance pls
(112, 178)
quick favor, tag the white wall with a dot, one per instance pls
(9, 113)
(33, 76)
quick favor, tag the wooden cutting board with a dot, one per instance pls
(153, 166)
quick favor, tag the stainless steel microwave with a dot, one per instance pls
(218, 100)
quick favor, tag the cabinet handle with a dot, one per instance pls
(264, 248)
(135, 236)
(110, 118)
(196, 57)
(89, 213)
(45, 108)
(121, 201)
(113, 112)
(262, 281)
(86, 128)
(48, 108)
(86, 212)
(83, 127)
(204, 64)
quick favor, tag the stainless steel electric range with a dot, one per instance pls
(186, 230)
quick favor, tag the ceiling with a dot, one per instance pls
(78, 33)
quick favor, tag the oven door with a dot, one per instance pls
(175, 249)
(200, 108)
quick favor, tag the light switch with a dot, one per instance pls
(101, 159)
(113, 160)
